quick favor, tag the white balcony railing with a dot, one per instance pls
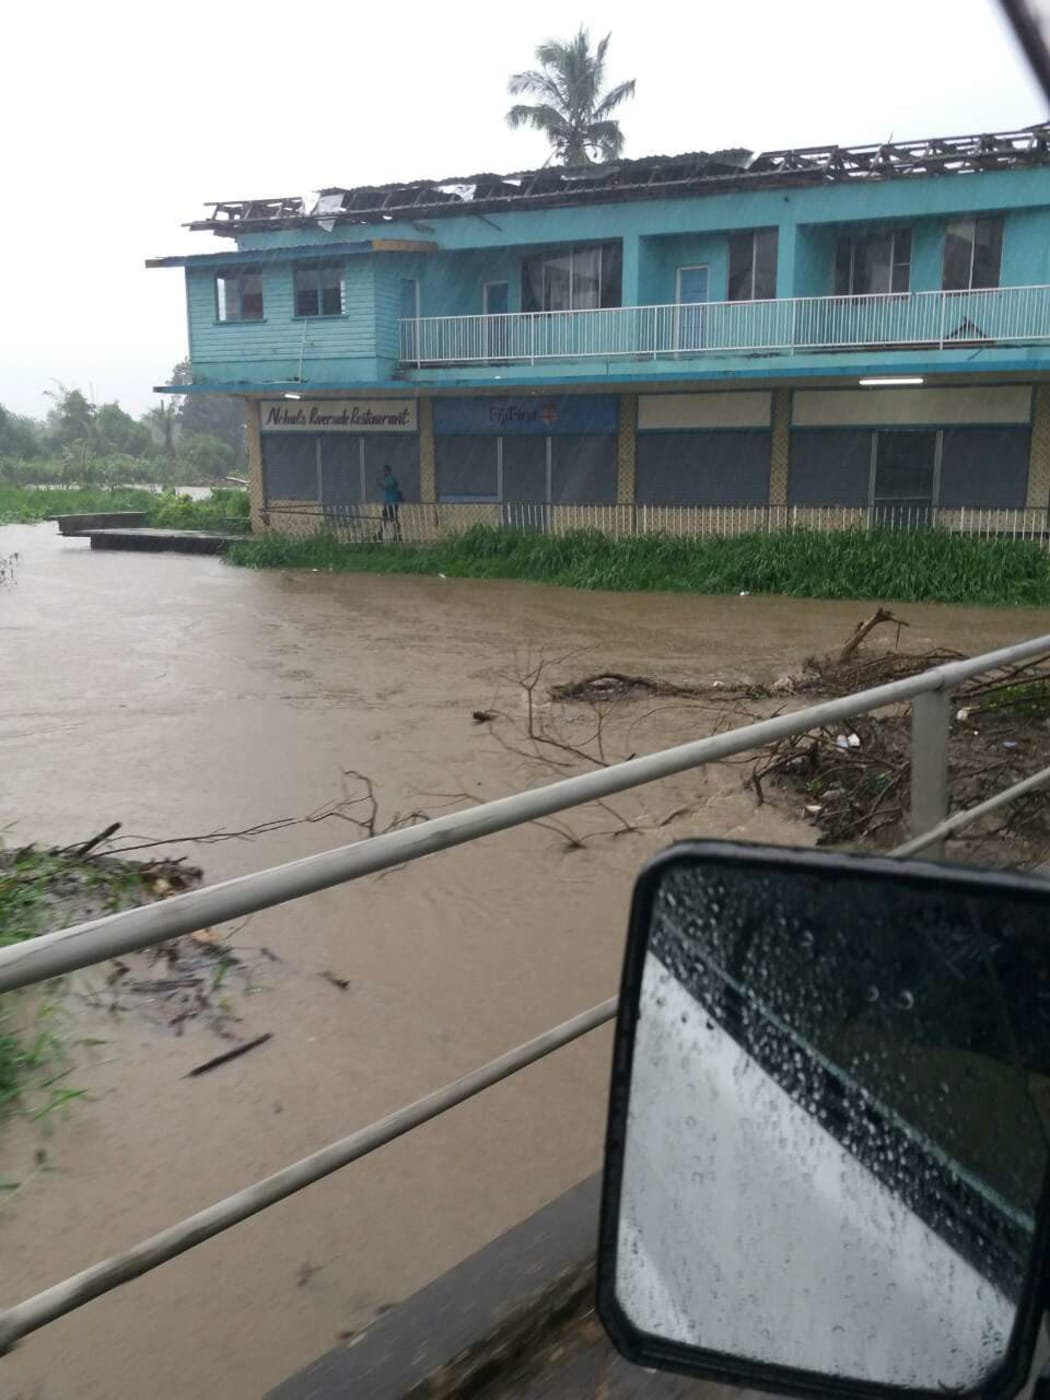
(937, 320)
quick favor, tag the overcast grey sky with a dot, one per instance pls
(120, 120)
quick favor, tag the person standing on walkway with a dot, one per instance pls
(392, 499)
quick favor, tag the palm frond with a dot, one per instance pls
(532, 83)
(599, 56)
(607, 138)
(541, 117)
(613, 98)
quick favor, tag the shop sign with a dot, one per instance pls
(534, 413)
(338, 415)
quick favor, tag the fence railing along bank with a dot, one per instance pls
(421, 523)
(56, 954)
(917, 320)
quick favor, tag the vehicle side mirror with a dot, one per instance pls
(827, 1156)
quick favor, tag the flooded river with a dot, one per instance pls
(179, 695)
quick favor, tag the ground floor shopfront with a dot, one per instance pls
(724, 459)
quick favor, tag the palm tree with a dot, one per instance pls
(162, 421)
(571, 112)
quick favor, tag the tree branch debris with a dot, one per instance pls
(854, 779)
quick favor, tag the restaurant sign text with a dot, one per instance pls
(338, 415)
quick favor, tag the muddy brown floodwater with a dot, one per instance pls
(179, 695)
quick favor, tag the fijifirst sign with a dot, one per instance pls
(338, 415)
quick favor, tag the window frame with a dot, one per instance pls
(571, 251)
(972, 220)
(237, 277)
(753, 234)
(317, 270)
(853, 239)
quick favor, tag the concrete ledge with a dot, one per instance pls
(98, 520)
(460, 1330)
(154, 540)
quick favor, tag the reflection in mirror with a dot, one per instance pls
(836, 1136)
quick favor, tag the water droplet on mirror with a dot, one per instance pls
(871, 994)
(905, 1000)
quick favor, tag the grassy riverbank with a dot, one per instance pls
(224, 509)
(885, 565)
(41, 890)
(25, 505)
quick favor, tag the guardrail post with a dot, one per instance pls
(930, 719)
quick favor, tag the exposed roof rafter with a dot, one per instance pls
(653, 177)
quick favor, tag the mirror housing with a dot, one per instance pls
(827, 1163)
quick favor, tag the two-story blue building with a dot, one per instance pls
(646, 343)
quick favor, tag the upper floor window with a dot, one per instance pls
(319, 290)
(870, 263)
(753, 265)
(239, 294)
(572, 279)
(973, 250)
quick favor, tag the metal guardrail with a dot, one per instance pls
(62, 952)
(937, 320)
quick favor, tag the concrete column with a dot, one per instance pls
(626, 445)
(427, 473)
(786, 255)
(781, 446)
(1039, 455)
(630, 275)
(256, 491)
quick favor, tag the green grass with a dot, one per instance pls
(225, 509)
(27, 504)
(34, 1040)
(923, 566)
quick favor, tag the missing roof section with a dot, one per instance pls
(653, 177)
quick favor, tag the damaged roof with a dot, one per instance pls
(652, 177)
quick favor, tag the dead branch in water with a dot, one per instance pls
(79, 852)
(543, 739)
(864, 629)
(605, 685)
(228, 1055)
(360, 809)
